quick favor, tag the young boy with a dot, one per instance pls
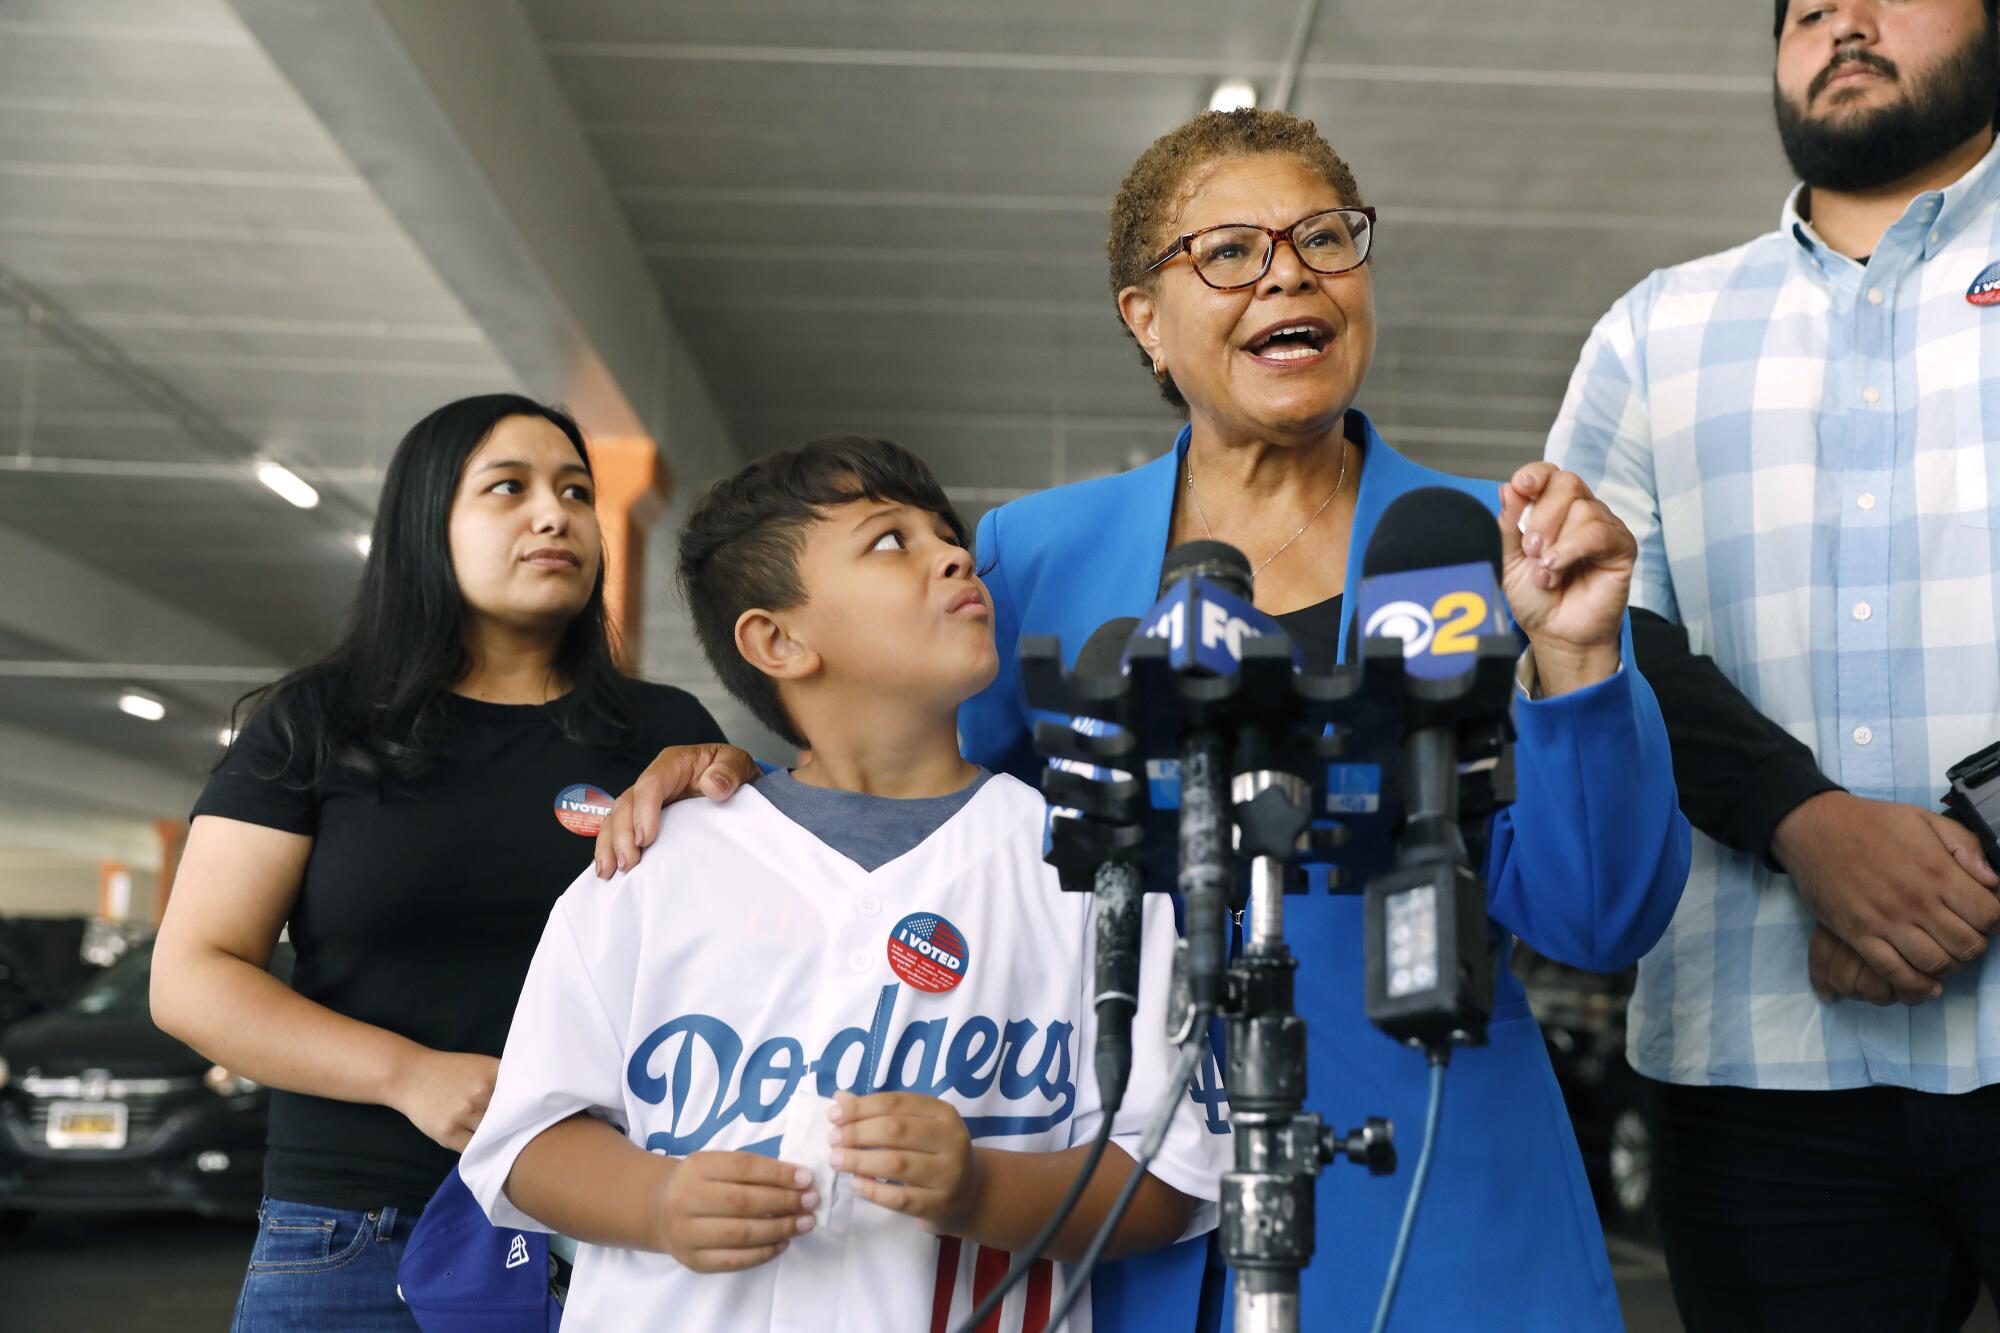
(822, 1059)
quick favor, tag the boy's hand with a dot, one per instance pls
(722, 1212)
(908, 1153)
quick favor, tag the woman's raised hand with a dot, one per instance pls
(1567, 574)
(678, 772)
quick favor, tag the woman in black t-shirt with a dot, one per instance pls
(411, 807)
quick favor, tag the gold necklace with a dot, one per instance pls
(1210, 532)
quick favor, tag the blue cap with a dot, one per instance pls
(462, 1274)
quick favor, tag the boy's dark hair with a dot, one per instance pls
(740, 548)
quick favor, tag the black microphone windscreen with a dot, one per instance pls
(1210, 560)
(1103, 653)
(1431, 527)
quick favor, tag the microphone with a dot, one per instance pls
(1431, 578)
(1118, 886)
(1205, 615)
(1204, 611)
(1974, 798)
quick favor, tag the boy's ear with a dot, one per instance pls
(766, 645)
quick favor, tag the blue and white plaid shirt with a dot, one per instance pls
(1808, 451)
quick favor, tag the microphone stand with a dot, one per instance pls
(1269, 1227)
(1242, 740)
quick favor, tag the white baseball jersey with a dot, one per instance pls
(744, 963)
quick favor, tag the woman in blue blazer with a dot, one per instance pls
(1238, 251)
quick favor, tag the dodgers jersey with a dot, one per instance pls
(744, 962)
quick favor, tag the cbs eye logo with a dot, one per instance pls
(1450, 625)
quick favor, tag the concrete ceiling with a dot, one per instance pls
(892, 215)
(288, 228)
(192, 276)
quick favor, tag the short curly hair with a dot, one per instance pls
(1159, 185)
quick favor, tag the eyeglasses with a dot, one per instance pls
(1236, 255)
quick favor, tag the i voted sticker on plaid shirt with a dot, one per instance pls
(1985, 289)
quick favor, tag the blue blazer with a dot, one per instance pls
(1587, 867)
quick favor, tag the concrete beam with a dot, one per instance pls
(76, 610)
(28, 834)
(42, 773)
(449, 109)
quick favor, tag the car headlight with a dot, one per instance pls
(225, 1084)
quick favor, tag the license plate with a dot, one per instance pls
(87, 1125)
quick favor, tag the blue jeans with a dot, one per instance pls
(315, 1269)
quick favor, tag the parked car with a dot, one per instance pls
(49, 950)
(99, 1109)
(1582, 1015)
(21, 995)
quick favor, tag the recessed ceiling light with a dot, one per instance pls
(141, 706)
(290, 488)
(364, 544)
(1233, 95)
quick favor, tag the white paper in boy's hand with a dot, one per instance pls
(804, 1143)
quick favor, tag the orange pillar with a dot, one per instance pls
(173, 836)
(114, 891)
(631, 493)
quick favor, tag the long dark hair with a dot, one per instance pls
(373, 704)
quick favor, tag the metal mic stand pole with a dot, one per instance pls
(1268, 1212)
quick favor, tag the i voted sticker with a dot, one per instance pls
(927, 951)
(581, 808)
(1985, 289)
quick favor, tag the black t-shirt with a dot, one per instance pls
(422, 904)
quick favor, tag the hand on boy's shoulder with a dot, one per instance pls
(678, 772)
(909, 1153)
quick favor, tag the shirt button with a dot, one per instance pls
(1863, 611)
(868, 905)
(1862, 736)
(1874, 296)
(1866, 502)
(858, 960)
(1871, 395)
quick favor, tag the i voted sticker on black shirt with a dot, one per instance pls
(581, 808)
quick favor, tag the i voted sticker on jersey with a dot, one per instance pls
(1985, 289)
(927, 951)
(581, 808)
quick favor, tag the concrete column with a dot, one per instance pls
(172, 834)
(631, 496)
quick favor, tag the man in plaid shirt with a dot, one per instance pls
(1804, 433)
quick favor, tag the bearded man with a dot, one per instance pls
(1804, 434)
